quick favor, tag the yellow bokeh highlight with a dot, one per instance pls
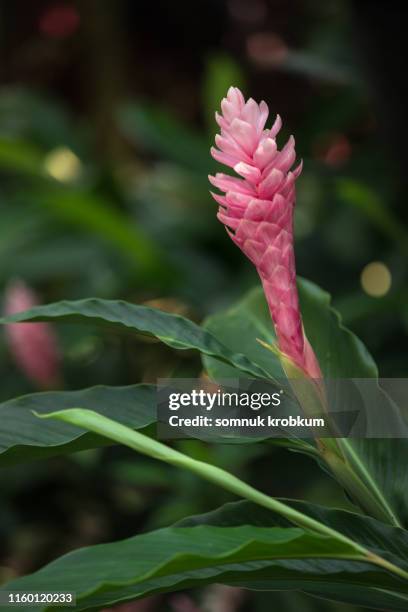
(376, 279)
(62, 164)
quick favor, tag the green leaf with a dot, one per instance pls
(23, 436)
(390, 541)
(175, 558)
(341, 354)
(240, 544)
(387, 541)
(385, 461)
(174, 330)
(379, 599)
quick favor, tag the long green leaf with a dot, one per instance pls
(174, 330)
(109, 428)
(239, 544)
(341, 354)
(173, 558)
(385, 540)
(23, 436)
(391, 542)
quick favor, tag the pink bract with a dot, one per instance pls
(33, 345)
(257, 210)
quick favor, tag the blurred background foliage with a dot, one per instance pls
(106, 118)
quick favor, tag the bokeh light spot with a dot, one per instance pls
(63, 165)
(376, 279)
(59, 21)
(267, 49)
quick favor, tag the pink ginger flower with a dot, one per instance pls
(257, 210)
(33, 345)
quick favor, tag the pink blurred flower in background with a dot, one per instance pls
(257, 210)
(33, 345)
